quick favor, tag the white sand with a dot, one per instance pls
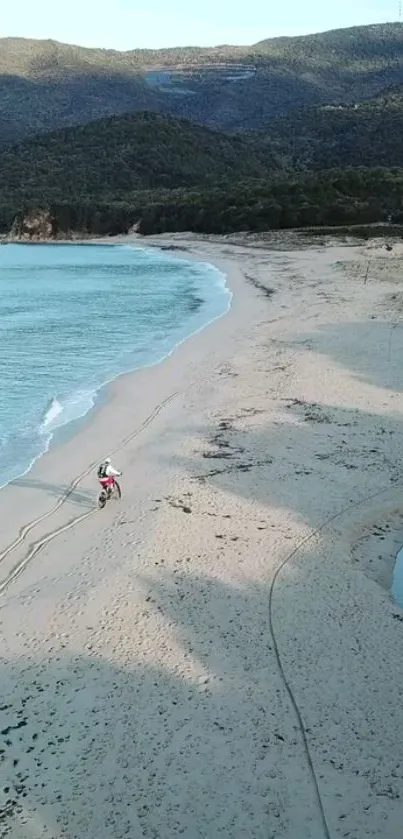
(155, 683)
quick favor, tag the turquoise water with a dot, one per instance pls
(74, 317)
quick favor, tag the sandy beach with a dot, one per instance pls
(218, 654)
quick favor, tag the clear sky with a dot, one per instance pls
(127, 24)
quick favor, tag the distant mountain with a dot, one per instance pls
(362, 134)
(45, 85)
(97, 140)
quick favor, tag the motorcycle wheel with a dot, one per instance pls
(102, 498)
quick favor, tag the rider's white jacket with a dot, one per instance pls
(111, 472)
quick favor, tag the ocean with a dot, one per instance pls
(75, 317)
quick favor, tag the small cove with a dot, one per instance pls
(73, 318)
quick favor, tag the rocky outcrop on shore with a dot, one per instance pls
(34, 226)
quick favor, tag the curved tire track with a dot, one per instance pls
(40, 543)
(37, 546)
(277, 651)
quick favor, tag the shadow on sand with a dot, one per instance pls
(79, 496)
(210, 746)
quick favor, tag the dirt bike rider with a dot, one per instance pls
(106, 475)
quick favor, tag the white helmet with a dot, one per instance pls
(107, 460)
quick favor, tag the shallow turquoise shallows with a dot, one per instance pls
(74, 317)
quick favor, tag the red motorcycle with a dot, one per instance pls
(110, 487)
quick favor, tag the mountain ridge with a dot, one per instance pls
(289, 132)
(46, 85)
(332, 37)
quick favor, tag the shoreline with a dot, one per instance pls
(158, 642)
(78, 433)
(101, 395)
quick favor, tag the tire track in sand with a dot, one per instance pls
(277, 646)
(44, 540)
(37, 546)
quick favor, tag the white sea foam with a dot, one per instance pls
(73, 407)
(93, 314)
(54, 410)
